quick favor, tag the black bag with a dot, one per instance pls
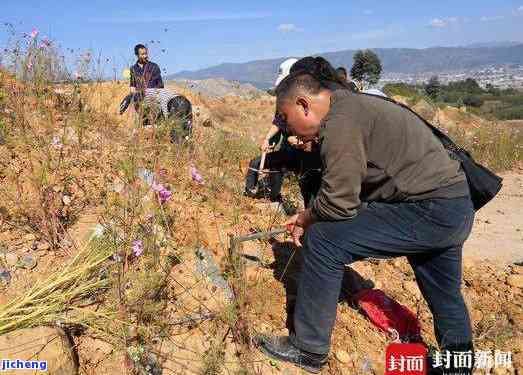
(483, 183)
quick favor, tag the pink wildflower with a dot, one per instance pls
(34, 33)
(56, 142)
(157, 187)
(196, 176)
(164, 195)
(137, 247)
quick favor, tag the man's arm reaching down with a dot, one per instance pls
(265, 145)
(344, 160)
(345, 166)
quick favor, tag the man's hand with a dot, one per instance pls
(299, 144)
(298, 224)
(293, 141)
(265, 145)
(295, 230)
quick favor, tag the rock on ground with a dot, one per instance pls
(38, 344)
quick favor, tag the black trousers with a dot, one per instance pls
(430, 233)
(307, 165)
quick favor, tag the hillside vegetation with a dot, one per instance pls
(121, 239)
(492, 103)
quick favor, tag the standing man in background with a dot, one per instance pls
(342, 73)
(144, 74)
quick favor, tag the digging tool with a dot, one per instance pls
(263, 184)
(236, 241)
(262, 164)
(259, 235)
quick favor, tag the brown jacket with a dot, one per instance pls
(375, 150)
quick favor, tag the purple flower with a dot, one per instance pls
(196, 176)
(137, 247)
(164, 195)
(157, 187)
(56, 143)
(34, 33)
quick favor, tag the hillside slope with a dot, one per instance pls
(181, 301)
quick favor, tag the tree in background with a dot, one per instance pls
(469, 86)
(366, 69)
(433, 88)
(473, 101)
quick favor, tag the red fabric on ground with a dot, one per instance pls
(388, 315)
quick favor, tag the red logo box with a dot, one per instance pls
(406, 359)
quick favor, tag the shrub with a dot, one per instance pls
(433, 88)
(401, 89)
(473, 101)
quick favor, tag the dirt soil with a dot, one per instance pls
(498, 229)
(492, 275)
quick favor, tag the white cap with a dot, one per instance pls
(284, 71)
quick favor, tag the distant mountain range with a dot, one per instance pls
(261, 73)
(505, 43)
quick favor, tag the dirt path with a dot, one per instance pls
(498, 229)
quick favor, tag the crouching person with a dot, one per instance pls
(158, 104)
(167, 104)
(389, 188)
(179, 109)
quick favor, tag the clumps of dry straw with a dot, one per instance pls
(65, 296)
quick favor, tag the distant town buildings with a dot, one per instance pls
(501, 76)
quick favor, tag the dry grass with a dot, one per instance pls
(495, 145)
(66, 155)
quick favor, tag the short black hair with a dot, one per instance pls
(341, 69)
(180, 107)
(138, 47)
(297, 83)
(323, 71)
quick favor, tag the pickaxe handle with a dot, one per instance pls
(262, 164)
(259, 235)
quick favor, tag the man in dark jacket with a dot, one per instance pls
(389, 188)
(144, 74)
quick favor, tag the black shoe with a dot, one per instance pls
(282, 349)
(251, 193)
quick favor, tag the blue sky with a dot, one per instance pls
(198, 34)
